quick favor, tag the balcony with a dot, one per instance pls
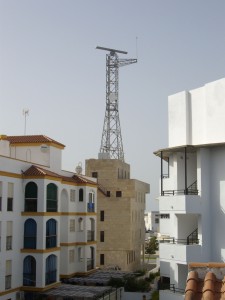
(90, 264)
(181, 203)
(91, 207)
(8, 280)
(179, 250)
(90, 235)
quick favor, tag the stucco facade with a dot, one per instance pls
(192, 185)
(120, 221)
(47, 218)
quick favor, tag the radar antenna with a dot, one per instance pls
(111, 143)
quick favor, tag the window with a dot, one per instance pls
(30, 234)
(51, 197)
(71, 256)
(72, 195)
(94, 174)
(31, 194)
(102, 215)
(102, 259)
(157, 220)
(10, 197)
(51, 233)
(118, 194)
(108, 194)
(102, 236)
(8, 274)
(51, 270)
(164, 216)
(9, 231)
(81, 195)
(29, 271)
(72, 225)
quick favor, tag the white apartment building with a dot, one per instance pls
(192, 185)
(47, 218)
(152, 221)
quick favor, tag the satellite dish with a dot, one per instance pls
(79, 168)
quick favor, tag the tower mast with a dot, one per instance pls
(111, 143)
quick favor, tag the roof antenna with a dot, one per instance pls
(25, 113)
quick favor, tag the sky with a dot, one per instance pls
(49, 65)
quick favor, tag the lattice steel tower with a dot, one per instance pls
(111, 143)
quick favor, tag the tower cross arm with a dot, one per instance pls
(125, 62)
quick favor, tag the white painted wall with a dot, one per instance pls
(197, 117)
(11, 170)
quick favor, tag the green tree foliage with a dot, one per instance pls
(152, 246)
(136, 285)
(131, 284)
(155, 295)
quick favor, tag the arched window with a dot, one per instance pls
(51, 269)
(30, 234)
(31, 194)
(29, 271)
(81, 195)
(51, 240)
(51, 197)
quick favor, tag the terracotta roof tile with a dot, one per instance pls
(32, 139)
(39, 171)
(81, 179)
(206, 281)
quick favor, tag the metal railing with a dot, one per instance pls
(8, 280)
(191, 190)
(30, 204)
(193, 237)
(91, 207)
(90, 264)
(171, 287)
(90, 235)
(186, 241)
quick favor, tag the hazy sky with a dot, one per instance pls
(49, 65)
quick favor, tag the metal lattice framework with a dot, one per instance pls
(111, 143)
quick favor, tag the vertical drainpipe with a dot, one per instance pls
(185, 169)
(161, 173)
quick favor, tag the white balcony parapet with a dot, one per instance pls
(182, 203)
(179, 252)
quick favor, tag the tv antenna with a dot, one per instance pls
(111, 143)
(25, 113)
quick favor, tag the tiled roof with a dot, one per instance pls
(205, 281)
(39, 171)
(32, 139)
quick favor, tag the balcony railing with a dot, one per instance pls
(186, 241)
(171, 287)
(191, 190)
(9, 243)
(29, 279)
(90, 264)
(8, 279)
(30, 204)
(91, 207)
(90, 235)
